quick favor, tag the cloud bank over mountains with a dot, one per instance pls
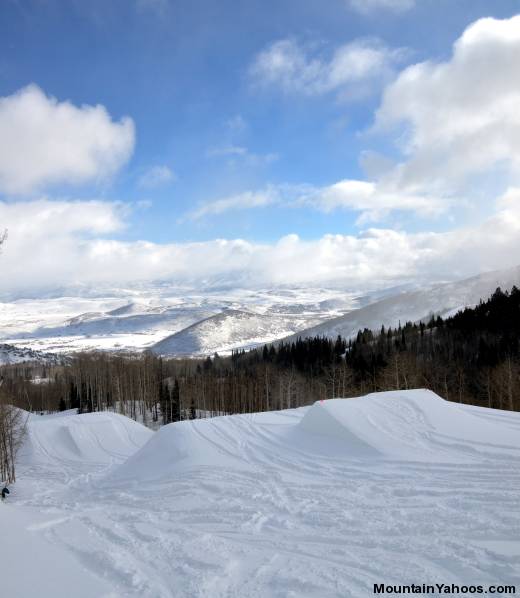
(455, 126)
(65, 243)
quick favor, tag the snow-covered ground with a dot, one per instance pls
(9, 354)
(232, 329)
(319, 502)
(187, 322)
(417, 304)
(126, 319)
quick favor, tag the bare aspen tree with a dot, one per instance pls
(13, 426)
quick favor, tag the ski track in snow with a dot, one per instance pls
(271, 507)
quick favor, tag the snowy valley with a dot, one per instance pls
(188, 323)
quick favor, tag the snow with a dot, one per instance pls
(31, 566)
(10, 355)
(189, 321)
(231, 329)
(415, 305)
(91, 439)
(397, 425)
(320, 501)
(136, 319)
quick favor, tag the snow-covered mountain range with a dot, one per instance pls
(415, 305)
(189, 322)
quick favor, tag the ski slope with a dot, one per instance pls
(320, 501)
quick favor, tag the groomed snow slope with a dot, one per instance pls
(61, 452)
(322, 501)
(411, 426)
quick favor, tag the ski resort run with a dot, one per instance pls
(316, 502)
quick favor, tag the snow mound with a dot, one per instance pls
(413, 425)
(184, 445)
(302, 502)
(101, 438)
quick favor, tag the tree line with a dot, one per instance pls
(471, 357)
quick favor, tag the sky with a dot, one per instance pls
(356, 142)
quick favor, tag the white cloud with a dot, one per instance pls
(460, 117)
(372, 201)
(371, 6)
(157, 176)
(240, 201)
(60, 243)
(461, 122)
(457, 122)
(45, 142)
(293, 68)
(46, 218)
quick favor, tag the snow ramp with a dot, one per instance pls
(412, 425)
(184, 445)
(101, 438)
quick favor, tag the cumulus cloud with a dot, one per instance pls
(157, 176)
(44, 217)
(59, 243)
(457, 121)
(372, 200)
(44, 141)
(371, 6)
(460, 117)
(294, 68)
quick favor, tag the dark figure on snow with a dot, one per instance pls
(5, 492)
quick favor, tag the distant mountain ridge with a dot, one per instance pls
(230, 329)
(10, 354)
(444, 299)
(198, 324)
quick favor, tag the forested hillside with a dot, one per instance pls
(471, 357)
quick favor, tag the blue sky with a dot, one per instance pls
(244, 115)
